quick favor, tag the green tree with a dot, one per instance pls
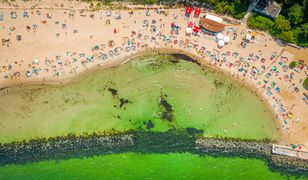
(296, 14)
(293, 64)
(306, 83)
(281, 25)
(304, 31)
(287, 36)
(302, 35)
(150, 1)
(260, 22)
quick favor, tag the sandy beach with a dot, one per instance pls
(56, 45)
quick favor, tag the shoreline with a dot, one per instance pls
(180, 141)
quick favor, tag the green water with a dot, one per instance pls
(200, 98)
(149, 166)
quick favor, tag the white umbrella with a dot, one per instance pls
(188, 30)
(219, 36)
(248, 37)
(221, 43)
(226, 39)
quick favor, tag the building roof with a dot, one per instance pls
(211, 25)
(268, 8)
(213, 18)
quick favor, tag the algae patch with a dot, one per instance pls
(166, 110)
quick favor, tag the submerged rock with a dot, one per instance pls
(150, 125)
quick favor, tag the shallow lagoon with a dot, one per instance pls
(200, 98)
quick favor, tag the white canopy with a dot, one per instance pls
(221, 43)
(248, 37)
(226, 39)
(188, 30)
(213, 18)
(220, 36)
(36, 61)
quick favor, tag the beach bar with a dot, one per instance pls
(211, 24)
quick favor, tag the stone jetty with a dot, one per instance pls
(176, 140)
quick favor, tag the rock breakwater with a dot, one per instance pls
(176, 140)
(64, 147)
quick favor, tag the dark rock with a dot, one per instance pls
(150, 125)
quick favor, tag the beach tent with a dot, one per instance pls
(221, 43)
(226, 39)
(108, 13)
(36, 61)
(248, 37)
(219, 36)
(188, 31)
(188, 9)
(117, 16)
(197, 11)
(196, 29)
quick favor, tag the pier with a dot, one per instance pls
(287, 151)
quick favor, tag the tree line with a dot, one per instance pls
(290, 26)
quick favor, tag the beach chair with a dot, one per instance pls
(147, 13)
(25, 14)
(13, 15)
(1, 16)
(18, 37)
(117, 16)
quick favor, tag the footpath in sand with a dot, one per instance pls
(56, 45)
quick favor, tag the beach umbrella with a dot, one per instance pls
(197, 11)
(188, 9)
(188, 30)
(190, 24)
(196, 29)
(226, 39)
(219, 36)
(221, 43)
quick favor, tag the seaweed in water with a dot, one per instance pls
(166, 109)
(113, 91)
(218, 84)
(123, 102)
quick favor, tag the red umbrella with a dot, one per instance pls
(197, 11)
(190, 24)
(196, 29)
(188, 9)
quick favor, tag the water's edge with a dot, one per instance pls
(180, 141)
